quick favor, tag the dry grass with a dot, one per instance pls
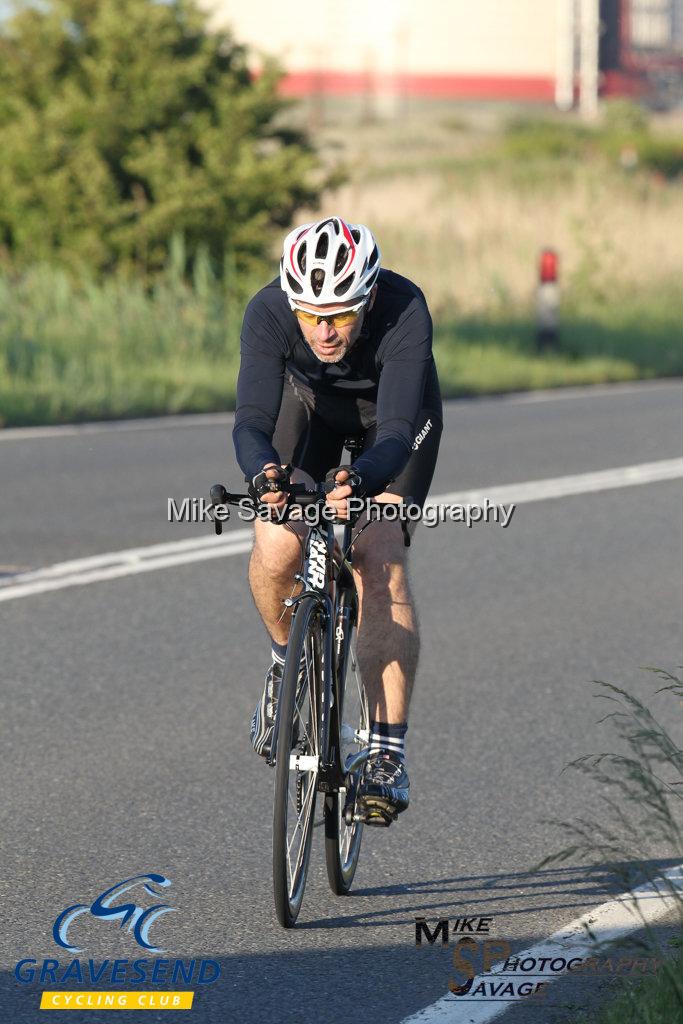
(450, 213)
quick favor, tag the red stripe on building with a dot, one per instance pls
(350, 83)
(622, 83)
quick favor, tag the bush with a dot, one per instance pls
(624, 137)
(125, 121)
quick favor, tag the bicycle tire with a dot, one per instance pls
(297, 731)
(343, 841)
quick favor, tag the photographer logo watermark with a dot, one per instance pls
(200, 510)
(485, 969)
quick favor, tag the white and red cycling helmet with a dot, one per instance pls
(329, 261)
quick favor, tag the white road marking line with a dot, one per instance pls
(564, 486)
(132, 556)
(127, 568)
(613, 920)
(133, 561)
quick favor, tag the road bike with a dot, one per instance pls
(322, 726)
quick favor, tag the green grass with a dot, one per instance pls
(630, 825)
(627, 334)
(656, 1000)
(624, 133)
(489, 355)
(629, 339)
(70, 352)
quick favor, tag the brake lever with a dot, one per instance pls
(219, 496)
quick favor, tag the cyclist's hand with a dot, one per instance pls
(338, 498)
(276, 499)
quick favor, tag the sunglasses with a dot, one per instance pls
(348, 316)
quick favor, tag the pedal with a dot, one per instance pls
(376, 813)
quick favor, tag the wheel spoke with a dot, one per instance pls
(302, 820)
(342, 840)
(313, 718)
(301, 790)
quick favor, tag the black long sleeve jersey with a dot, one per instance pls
(390, 364)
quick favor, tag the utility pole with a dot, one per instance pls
(590, 33)
(564, 64)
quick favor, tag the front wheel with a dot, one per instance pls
(297, 759)
(343, 835)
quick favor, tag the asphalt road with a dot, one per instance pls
(126, 708)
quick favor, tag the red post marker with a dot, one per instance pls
(548, 301)
(548, 265)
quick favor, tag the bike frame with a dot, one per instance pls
(330, 582)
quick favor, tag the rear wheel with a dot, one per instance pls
(297, 759)
(343, 837)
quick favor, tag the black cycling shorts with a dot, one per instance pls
(311, 429)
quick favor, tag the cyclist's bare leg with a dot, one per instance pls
(388, 634)
(275, 557)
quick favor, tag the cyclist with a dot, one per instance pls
(337, 346)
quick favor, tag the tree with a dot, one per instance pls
(124, 122)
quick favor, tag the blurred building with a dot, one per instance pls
(641, 50)
(524, 50)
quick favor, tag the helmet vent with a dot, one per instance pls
(342, 254)
(374, 257)
(294, 285)
(322, 247)
(343, 288)
(301, 258)
(330, 220)
(355, 235)
(317, 281)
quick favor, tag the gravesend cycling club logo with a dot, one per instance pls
(134, 905)
(138, 919)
